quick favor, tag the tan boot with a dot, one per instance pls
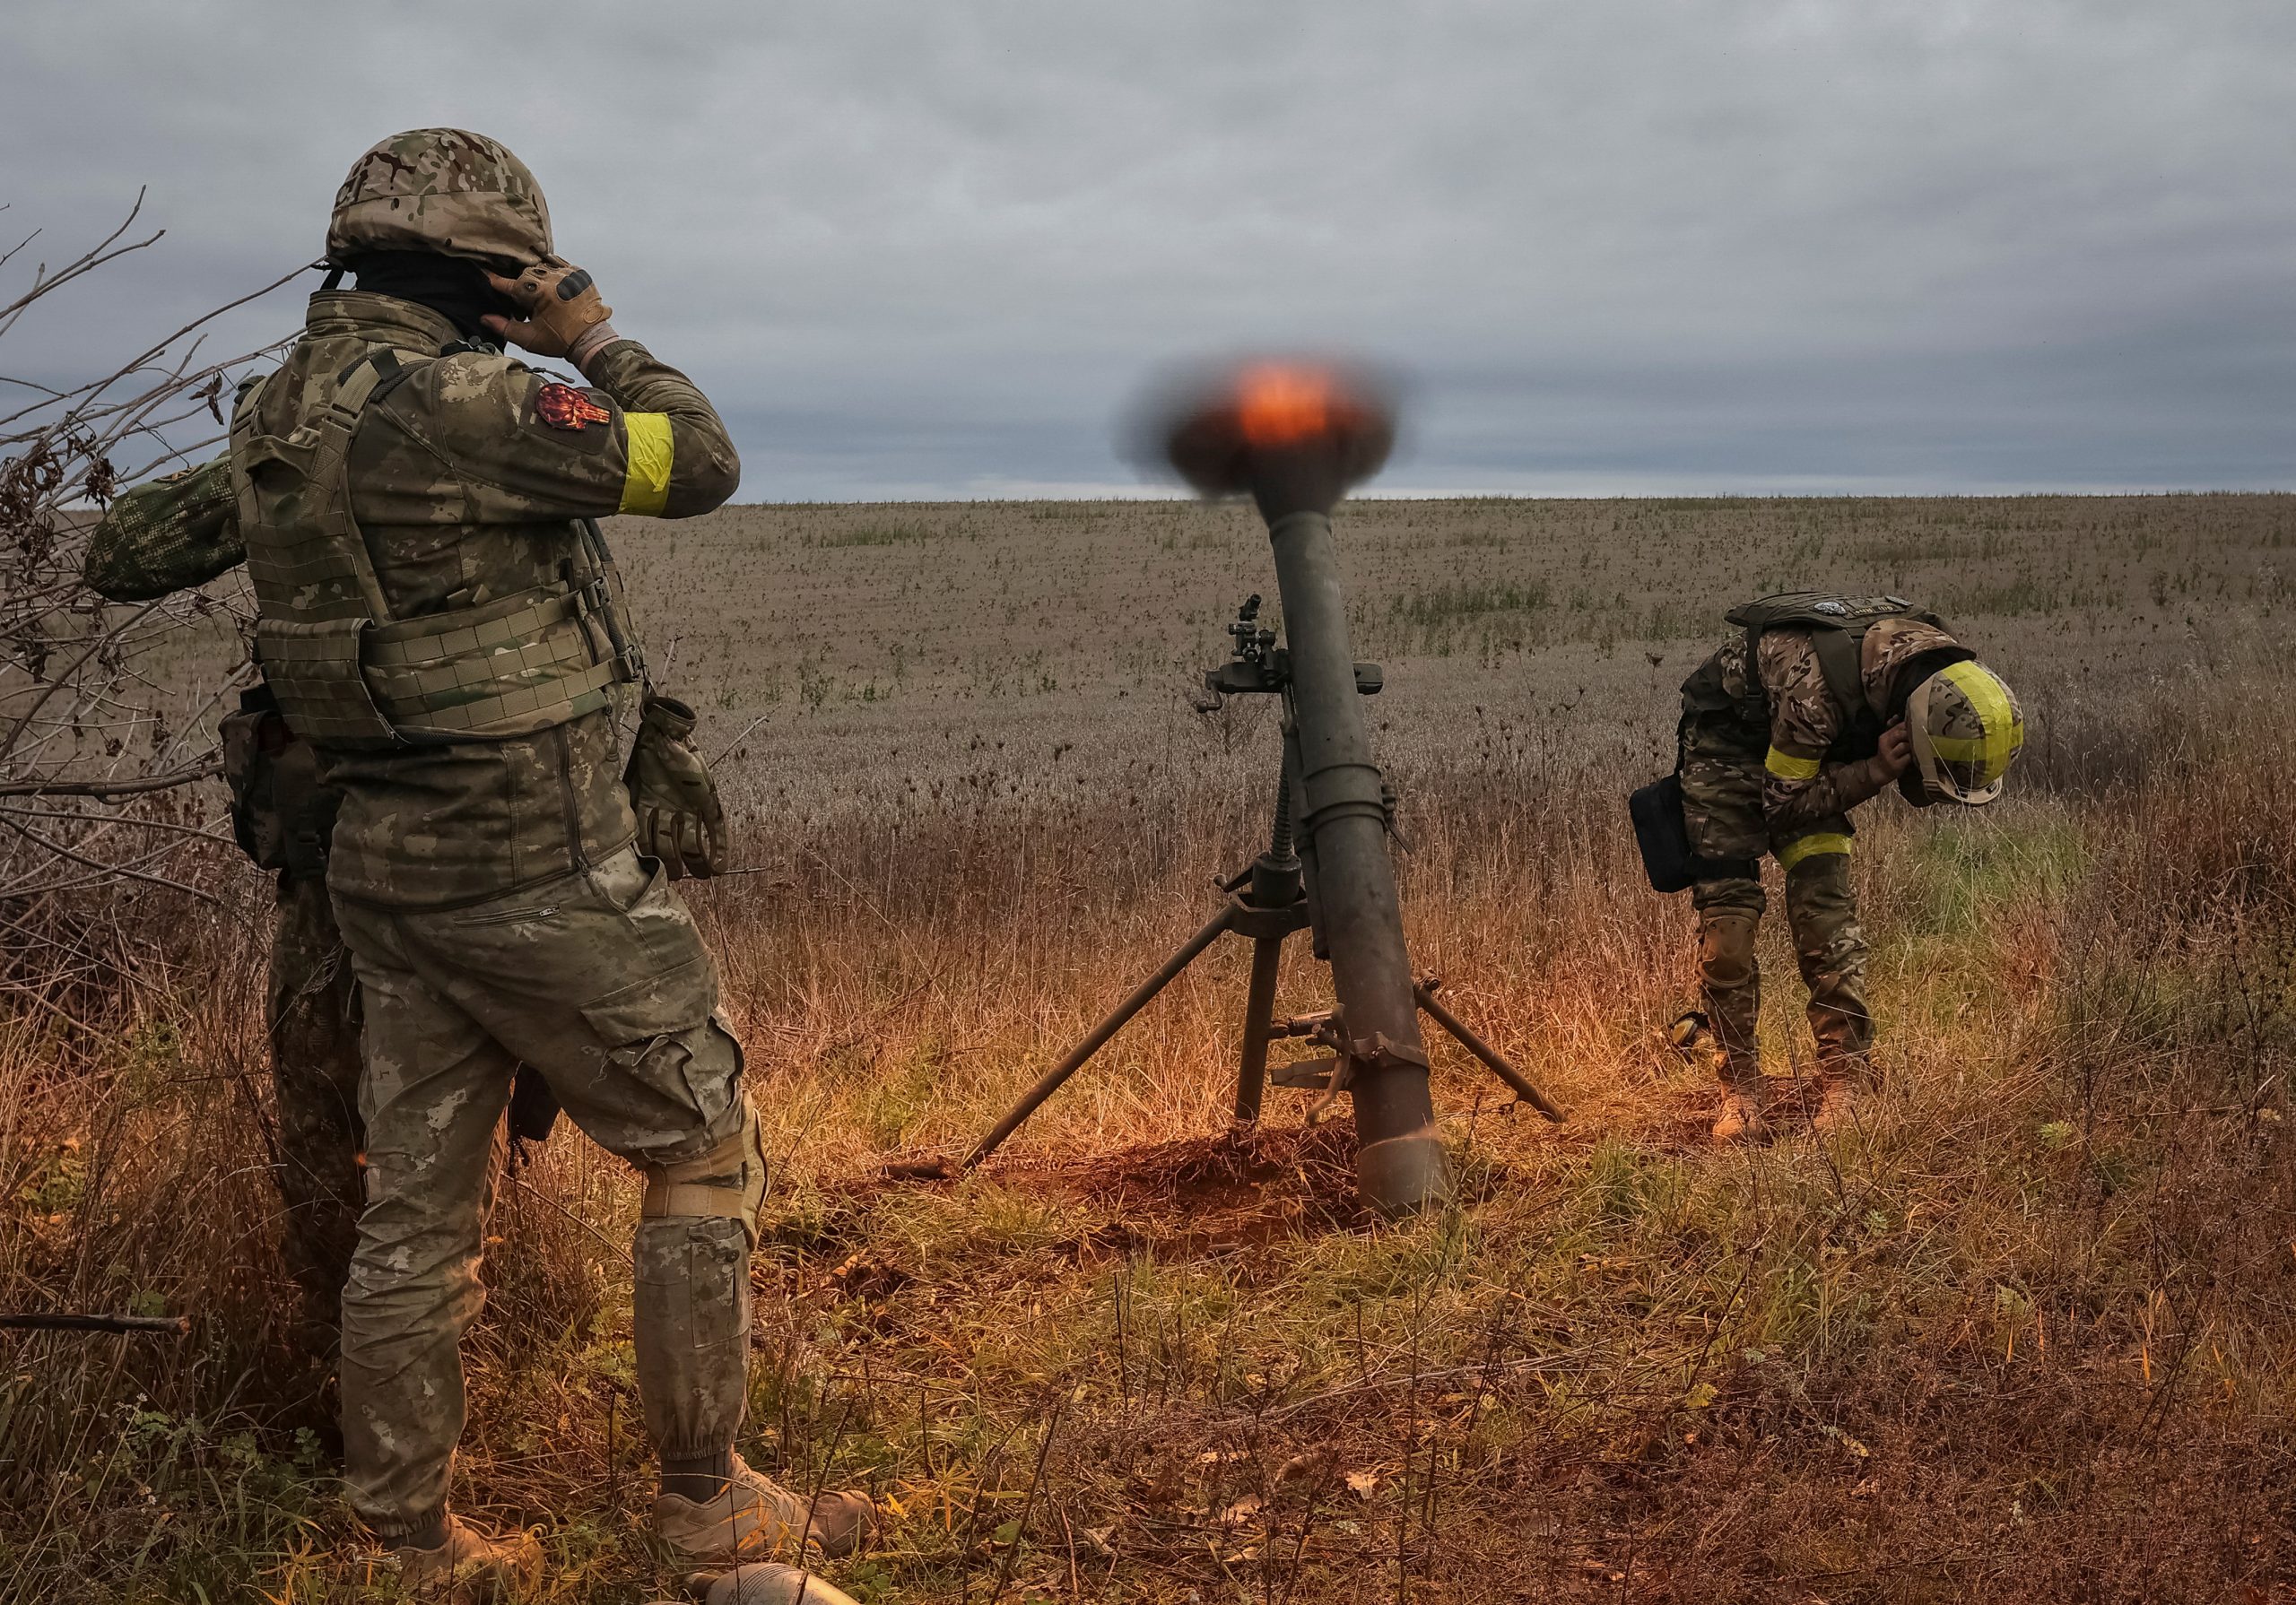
(470, 1568)
(1842, 1080)
(1745, 1112)
(1836, 1099)
(755, 1518)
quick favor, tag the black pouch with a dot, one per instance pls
(533, 1107)
(282, 814)
(1660, 832)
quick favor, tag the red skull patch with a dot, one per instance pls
(563, 407)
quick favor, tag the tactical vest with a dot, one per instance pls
(1837, 627)
(348, 674)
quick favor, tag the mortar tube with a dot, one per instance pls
(1399, 1163)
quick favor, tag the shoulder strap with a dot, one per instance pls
(324, 547)
(330, 466)
(1840, 652)
(244, 449)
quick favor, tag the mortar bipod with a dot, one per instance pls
(1266, 903)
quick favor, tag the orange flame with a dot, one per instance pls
(1281, 404)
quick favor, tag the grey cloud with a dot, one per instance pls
(929, 250)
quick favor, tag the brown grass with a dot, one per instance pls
(2023, 1334)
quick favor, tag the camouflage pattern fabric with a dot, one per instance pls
(492, 908)
(466, 481)
(446, 190)
(599, 980)
(314, 1064)
(1799, 787)
(165, 535)
(1723, 805)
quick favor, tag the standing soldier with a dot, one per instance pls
(168, 535)
(439, 618)
(1817, 704)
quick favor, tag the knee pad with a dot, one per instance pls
(1725, 946)
(727, 1183)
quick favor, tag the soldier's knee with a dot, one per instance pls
(1726, 946)
(726, 1182)
(1740, 893)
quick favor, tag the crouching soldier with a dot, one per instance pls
(1817, 704)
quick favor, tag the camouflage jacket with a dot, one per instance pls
(465, 480)
(1799, 786)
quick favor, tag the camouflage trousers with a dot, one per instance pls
(313, 1018)
(599, 982)
(1722, 806)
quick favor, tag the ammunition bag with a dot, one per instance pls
(282, 814)
(345, 672)
(1662, 833)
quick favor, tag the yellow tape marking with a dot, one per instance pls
(2005, 732)
(1811, 847)
(645, 488)
(1786, 766)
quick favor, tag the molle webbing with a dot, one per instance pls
(346, 673)
(1837, 627)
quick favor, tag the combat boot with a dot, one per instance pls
(1747, 1102)
(755, 1518)
(1838, 1085)
(470, 1568)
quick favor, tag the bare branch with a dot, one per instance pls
(105, 790)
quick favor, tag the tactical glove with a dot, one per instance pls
(680, 820)
(563, 310)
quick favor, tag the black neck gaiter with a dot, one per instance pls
(456, 289)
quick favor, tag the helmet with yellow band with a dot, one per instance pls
(1966, 731)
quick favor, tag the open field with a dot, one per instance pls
(2028, 1332)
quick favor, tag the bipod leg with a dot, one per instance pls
(1049, 1083)
(1522, 1085)
(1259, 1020)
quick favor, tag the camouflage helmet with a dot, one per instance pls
(443, 190)
(1966, 730)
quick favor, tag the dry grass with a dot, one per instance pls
(2023, 1334)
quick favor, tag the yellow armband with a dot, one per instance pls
(646, 487)
(1786, 766)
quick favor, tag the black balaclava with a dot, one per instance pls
(452, 287)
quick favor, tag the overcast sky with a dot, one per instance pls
(1619, 245)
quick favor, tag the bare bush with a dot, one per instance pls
(100, 747)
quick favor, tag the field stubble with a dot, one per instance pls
(2024, 1333)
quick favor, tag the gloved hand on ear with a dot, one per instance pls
(680, 820)
(565, 315)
